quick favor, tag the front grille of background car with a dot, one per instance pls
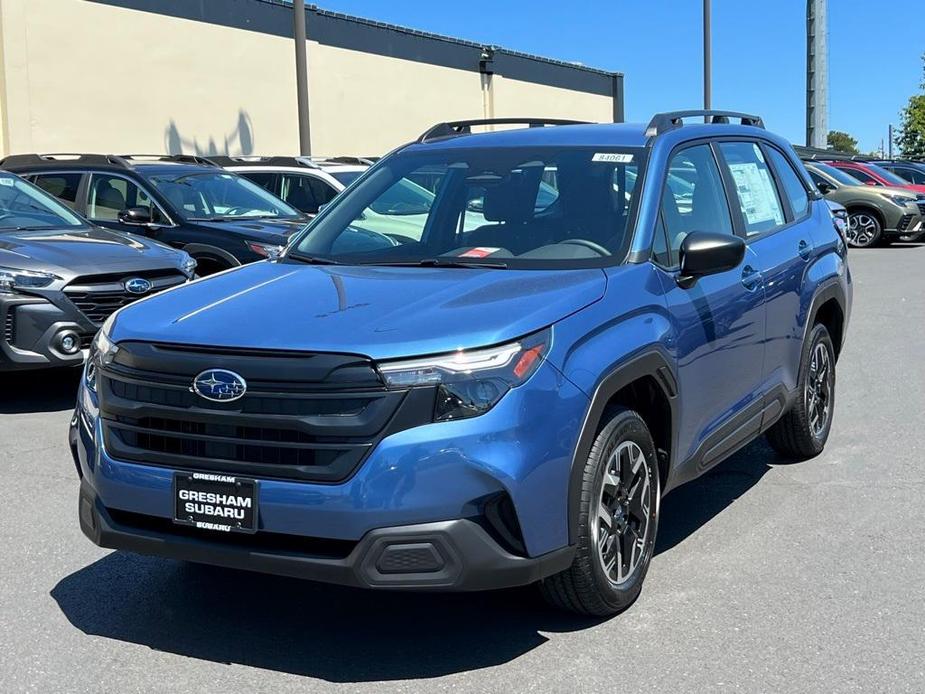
(9, 326)
(304, 417)
(99, 296)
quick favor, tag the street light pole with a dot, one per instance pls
(707, 57)
(301, 75)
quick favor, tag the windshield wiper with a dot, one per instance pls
(312, 259)
(446, 262)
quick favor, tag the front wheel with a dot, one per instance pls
(864, 230)
(618, 520)
(803, 431)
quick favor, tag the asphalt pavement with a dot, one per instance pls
(769, 575)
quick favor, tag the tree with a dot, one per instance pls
(842, 142)
(911, 136)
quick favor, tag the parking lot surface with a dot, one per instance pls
(769, 575)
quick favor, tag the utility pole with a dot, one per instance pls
(301, 75)
(707, 57)
(817, 75)
(890, 139)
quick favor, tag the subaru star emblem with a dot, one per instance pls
(219, 385)
(137, 285)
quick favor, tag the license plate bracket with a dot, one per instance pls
(210, 501)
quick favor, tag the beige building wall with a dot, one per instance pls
(78, 76)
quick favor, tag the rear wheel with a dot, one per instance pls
(618, 520)
(803, 431)
(864, 229)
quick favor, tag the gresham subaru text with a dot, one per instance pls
(496, 394)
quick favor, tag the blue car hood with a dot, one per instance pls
(380, 312)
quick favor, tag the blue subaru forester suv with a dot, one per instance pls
(576, 319)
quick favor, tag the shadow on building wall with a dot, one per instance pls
(239, 141)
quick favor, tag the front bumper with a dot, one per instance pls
(455, 555)
(32, 328)
(429, 485)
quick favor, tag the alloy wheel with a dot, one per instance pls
(621, 525)
(819, 390)
(862, 230)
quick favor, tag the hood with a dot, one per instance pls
(74, 251)
(380, 312)
(269, 230)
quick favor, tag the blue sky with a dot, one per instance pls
(759, 53)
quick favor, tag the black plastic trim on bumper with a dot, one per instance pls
(467, 558)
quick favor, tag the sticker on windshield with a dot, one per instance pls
(479, 252)
(613, 157)
(7, 182)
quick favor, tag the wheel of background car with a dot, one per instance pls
(618, 521)
(863, 231)
(596, 247)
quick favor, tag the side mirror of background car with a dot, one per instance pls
(135, 215)
(871, 183)
(824, 187)
(708, 253)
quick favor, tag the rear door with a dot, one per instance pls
(64, 185)
(719, 322)
(775, 212)
(109, 194)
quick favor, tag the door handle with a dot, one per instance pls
(751, 278)
(804, 249)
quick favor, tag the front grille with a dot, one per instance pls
(99, 296)
(9, 326)
(308, 417)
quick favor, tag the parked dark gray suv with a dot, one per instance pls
(61, 277)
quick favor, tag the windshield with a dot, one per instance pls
(219, 195)
(839, 175)
(23, 206)
(888, 176)
(518, 207)
(346, 177)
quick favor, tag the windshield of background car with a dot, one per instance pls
(216, 196)
(23, 206)
(515, 207)
(838, 174)
(888, 176)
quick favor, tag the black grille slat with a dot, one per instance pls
(9, 326)
(921, 204)
(99, 296)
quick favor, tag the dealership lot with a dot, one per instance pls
(769, 576)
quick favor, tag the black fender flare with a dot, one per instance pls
(650, 361)
(827, 289)
(195, 249)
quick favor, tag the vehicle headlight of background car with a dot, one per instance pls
(12, 279)
(187, 264)
(471, 382)
(901, 200)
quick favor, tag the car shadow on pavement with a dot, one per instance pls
(49, 390)
(342, 634)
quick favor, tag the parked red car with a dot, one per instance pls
(873, 175)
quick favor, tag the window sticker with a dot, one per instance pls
(613, 157)
(7, 182)
(756, 192)
(479, 252)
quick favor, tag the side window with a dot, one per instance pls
(305, 193)
(107, 196)
(323, 192)
(693, 199)
(62, 186)
(791, 183)
(660, 251)
(264, 179)
(911, 175)
(818, 180)
(863, 177)
(754, 187)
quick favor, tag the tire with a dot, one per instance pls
(864, 229)
(624, 446)
(802, 432)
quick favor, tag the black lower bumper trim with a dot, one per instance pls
(455, 555)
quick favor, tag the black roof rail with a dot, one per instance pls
(178, 158)
(819, 154)
(65, 158)
(309, 162)
(663, 122)
(464, 127)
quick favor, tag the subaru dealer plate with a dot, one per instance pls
(215, 502)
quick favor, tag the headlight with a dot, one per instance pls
(267, 250)
(102, 351)
(470, 383)
(187, 264)
(12, 279)
(900, 200)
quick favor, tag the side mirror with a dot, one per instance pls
(135, 215)
(708, 253)
(871, 183)
(825, 187)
